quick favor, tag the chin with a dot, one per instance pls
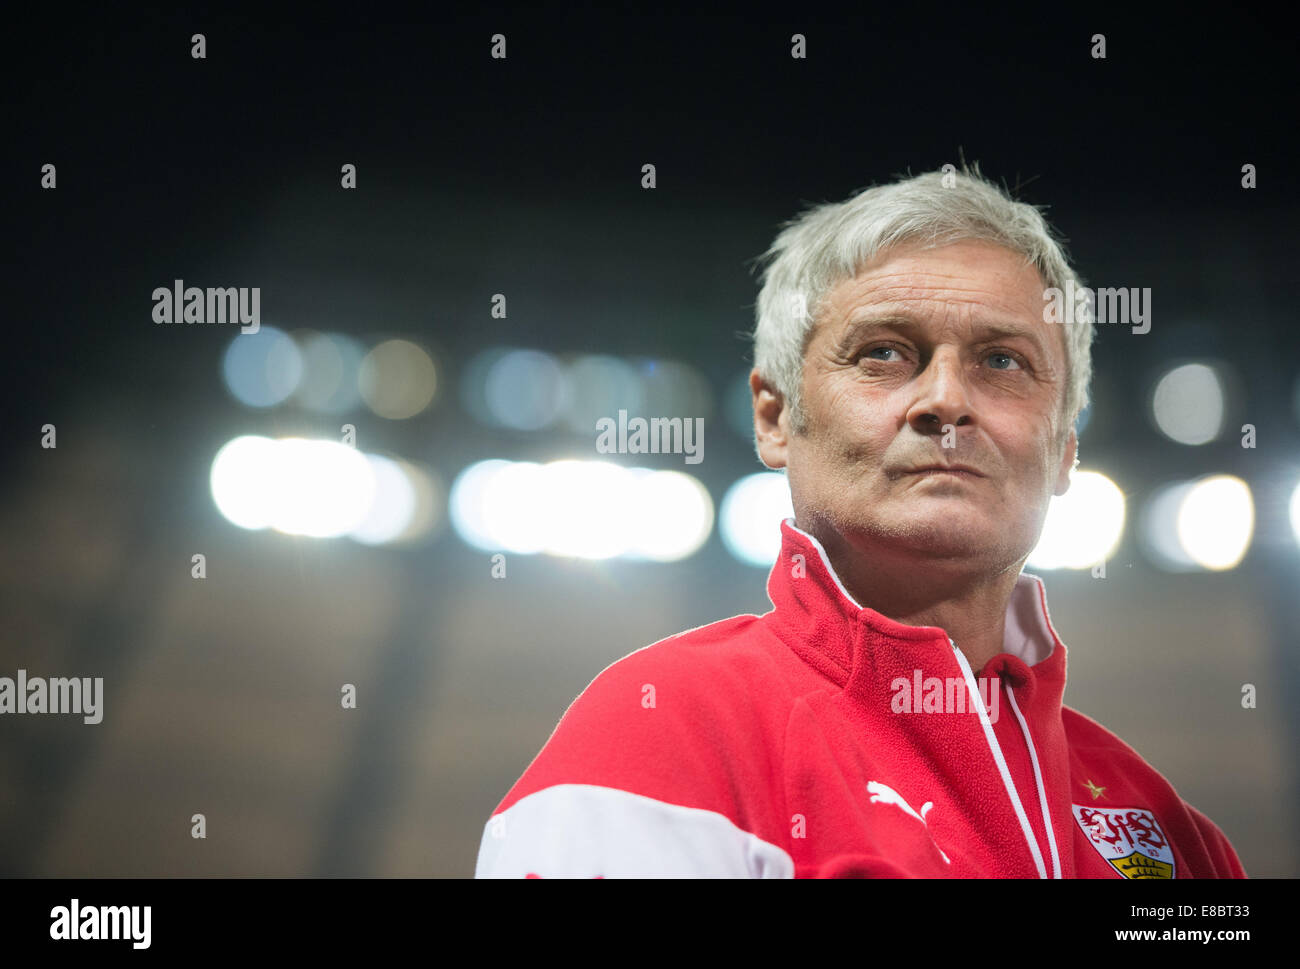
(935, 537)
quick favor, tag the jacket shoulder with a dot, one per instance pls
(1087, 734)
(1084, 731)
(667, 758)
(1224, 856)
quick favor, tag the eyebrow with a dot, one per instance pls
(859, 327)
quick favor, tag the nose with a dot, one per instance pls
(941, 395)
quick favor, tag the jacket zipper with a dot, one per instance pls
(1025, 827)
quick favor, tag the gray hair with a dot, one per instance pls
(828, 243)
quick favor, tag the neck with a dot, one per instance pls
(969, 605)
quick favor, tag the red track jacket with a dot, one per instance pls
(823, 739)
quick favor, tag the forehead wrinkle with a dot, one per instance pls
(1004, 299)
(985, 329)
(910, 282)
(885, 293)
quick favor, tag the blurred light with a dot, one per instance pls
(751, 516)
(405, 507)
(262, 369)
(1216, 520)
(319, 488)
(235, 479)
(468, 505)
(1159, 531)
(1295, 512)
(397, 379)
(1203, 524)
(674, 389)
(510, 508)
(331, 363)
(393, 507)
(300, 487)
(580, 509)
(1083, 526)
(525, 390)
(600, 386)
(473, 383)
(587, 508)
(1188, 404)
(675, 515)
(430, 500)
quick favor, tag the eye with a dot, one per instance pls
(885, 348)
(1002, 354)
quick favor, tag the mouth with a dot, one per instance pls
(955, 470)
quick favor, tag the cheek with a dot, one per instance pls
(1041, 463)
(856, 420)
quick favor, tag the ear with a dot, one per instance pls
(1067, 464)
(771, 421)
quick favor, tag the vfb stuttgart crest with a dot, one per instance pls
(1129, 838)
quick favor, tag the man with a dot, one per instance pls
(899, 710)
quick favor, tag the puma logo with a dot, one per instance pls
(884, 794)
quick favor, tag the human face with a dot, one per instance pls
(929, 357)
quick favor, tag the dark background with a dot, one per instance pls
(479, 176)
